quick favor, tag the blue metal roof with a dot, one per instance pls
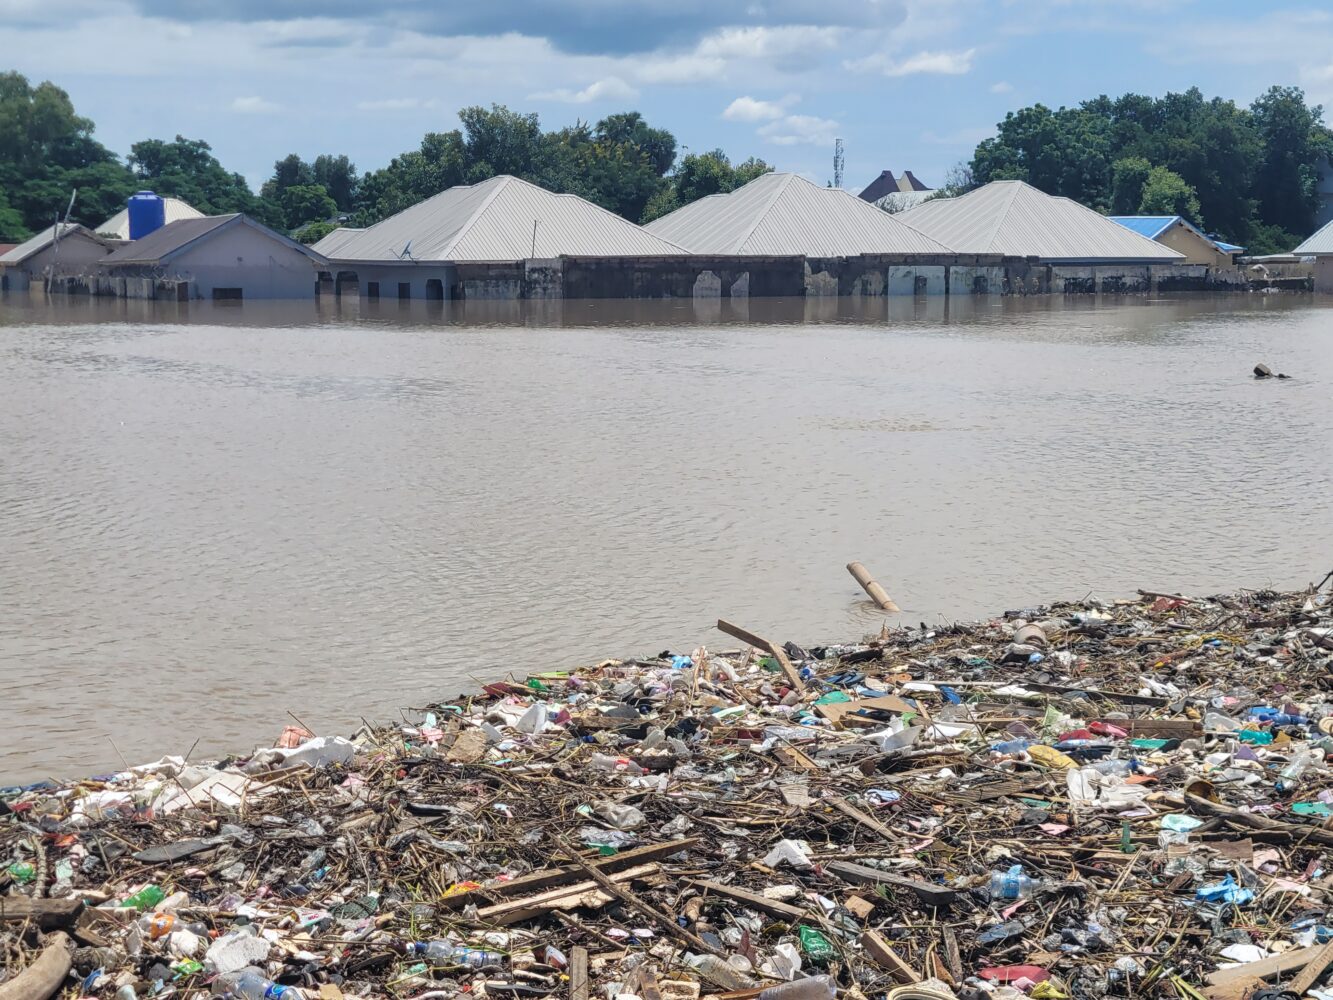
(1152, 226)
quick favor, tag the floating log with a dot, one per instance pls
(877, 593)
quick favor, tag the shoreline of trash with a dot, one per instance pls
(1080, 800)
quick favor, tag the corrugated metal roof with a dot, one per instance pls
(39, 242)
(1015, 219)
(335, 241)
(494, 221)
(176, 236)
(1320, 244)
(119, 224)
(786, 215)
(1151, 226)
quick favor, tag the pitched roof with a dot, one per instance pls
(1153, 226)
(886, 184)
(175, 237)
(36, 244)
(1320, 244)
(335, 241)
(119, 224)
(786, 215)
(1015, 219)
(495, 221)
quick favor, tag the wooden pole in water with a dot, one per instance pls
(868, 584)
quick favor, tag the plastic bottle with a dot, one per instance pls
(719, 972)
(811, 988)
(254, 985)
(1290, 776)
(159, 925)
(1011, 746)
(448, 953)
(1012, 884)
(146, 898)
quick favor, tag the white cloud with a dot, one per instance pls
(254, 106)
(747, 109)
(940, 63)
(613, 88)
(801, 130)
(1002, 87)
(680, 69)
(396, 104)
(769, 43)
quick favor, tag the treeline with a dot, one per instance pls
(1250, 174)
(621, 163)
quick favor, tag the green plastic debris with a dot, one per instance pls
(1255, 737)
(815, 945)
(187, 967)
(146, 898)
(22, 872)
(1311, 809)
(769, 664)
(1126, 838)
(1148, 744)
(833, 698)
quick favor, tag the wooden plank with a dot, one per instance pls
(869, 822)
(567, 897)
(43, 977)
(1159, 729)
(783, 911)
(771, 648)
(835, 711)
(565, 875)
(935, 895)
(45, 913)
(1288, 961)
(886, 958)
(578, 973)
(1312, 971)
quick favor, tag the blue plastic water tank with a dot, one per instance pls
(147, 213)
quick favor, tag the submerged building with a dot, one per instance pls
(173, 210)
(63, 246)
(1320, 247)
(1180, 234)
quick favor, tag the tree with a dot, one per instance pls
(338, 176)
(313, 232)
(1128, 175)
(187, 169)
(1166, 193)
(1295, 146)
(304, 203)
(46, 152)
(12, 229)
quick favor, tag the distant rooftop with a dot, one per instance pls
(1153, 226)
(119, 224)
(886, 184)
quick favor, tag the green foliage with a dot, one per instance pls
(338, 176)
(1166, 193)
(1248, 168)
(46, 152)
(313, 232)
(1128, 175)
(1271, 239)
(187, 169)
(304, 203)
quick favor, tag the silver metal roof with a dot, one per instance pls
(119, 224)
(494, 221)
(1015, 219)
(334, 241)
(1320, 244)
(786, 215)
(42, 240)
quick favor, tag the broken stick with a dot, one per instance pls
(877, 593)
(771, 648)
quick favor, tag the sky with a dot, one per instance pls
(907, 84)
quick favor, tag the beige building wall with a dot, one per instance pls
(1196, 249)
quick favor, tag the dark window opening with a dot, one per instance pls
(227, 295)
(404, 289)
(372, 289)
(434, 289)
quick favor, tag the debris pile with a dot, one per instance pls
(1082, 800)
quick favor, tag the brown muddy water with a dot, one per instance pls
(214, 516)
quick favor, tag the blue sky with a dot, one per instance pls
(907, 84)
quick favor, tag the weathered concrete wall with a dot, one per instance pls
(1323, 275)
(679, 277)
(245, 258)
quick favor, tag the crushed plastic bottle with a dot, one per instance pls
(718, 971)
(145, 899)
(1012, 884)
(254, 985)
(812, 988)
(1289, 778)
(449, 953)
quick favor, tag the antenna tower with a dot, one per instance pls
(837, 163)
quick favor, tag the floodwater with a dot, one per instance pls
(216, 516)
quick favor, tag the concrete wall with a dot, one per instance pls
(77, 253)
(1323, 275)
(383, 280)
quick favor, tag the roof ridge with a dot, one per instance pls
(463, 230)
(763, 214)
(1003, 214)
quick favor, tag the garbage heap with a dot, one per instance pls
(1081, 800)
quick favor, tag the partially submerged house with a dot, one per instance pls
(1180, 234)
(222, 257)
(174, 210)
(1320, 247)
(66, 247)
(443, 247)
